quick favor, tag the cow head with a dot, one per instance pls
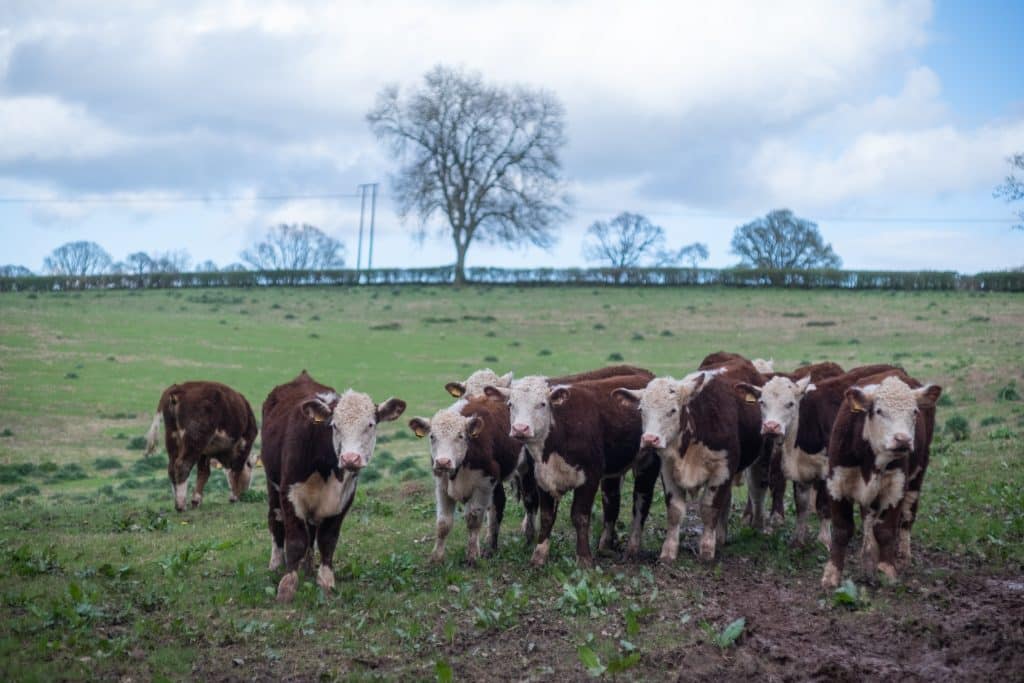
(779, 401)
(474, 385)
(765, 367)
(240, 480)
(530, 400)
(891, 409)
(353, 417)
(661, 404)
(450, 435)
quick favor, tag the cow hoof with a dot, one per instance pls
(830, 577)
(540, 555)
(286, 588)
(233, 499)
(276, 558)
(887, 571)
(707, 549)
(776, 520)
(667, 560)
(585, 562)
(436, 557)
(179, 508)
(325, 578)
(196, 502)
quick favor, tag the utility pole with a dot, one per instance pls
(362, 210)
(373, 214)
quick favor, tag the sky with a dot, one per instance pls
(154, 126)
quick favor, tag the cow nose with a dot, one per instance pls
(520, 429)
(650, 440)
(771, 427)
(902, 440)
(443, 462)
(351, 461)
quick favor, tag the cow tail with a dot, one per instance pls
(154, 431)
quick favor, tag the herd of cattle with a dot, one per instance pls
(844, 438)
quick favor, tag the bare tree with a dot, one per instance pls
(780, 240)
(138, 263)
(483, 156)
(1012, 189)
(78, 259)
(207, 266)
(691, 254)
(14, 271)
(171, 262)
(623, 241)
(295, 247)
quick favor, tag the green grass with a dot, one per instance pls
(100, 578)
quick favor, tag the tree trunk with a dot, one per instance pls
(460, 261)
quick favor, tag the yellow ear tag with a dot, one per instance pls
(318, 421)
(856, 407)
(750, 399)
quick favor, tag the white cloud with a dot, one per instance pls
(45, 128)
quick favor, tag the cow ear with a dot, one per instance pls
(505, 380)
(859, 401)
(499, 393)
(928, 395)
(748, 392)
(803, 385)
(420, 426)
(316, 410)
(475, 426)
(390, 409)
(628, 397)
(558, 395)
(456, 389)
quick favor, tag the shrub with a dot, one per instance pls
(490, 359)
(992, 420)
(137, 443)
(958, 428)
(106, 464)
(1009, 392)
(615, 356)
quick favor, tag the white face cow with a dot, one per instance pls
(779, 400)
(450, 433)
(661, 404)
(892, 408)
(530, 400)
(239, 481)
(354, 418)
(474, 385)
(765, 367)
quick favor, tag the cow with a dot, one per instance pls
(877, 458)
(816, 372)
(204, 421)
(473, 386)
(471, 454)
(797, 413)
(581, 439)
(315, 443)
(704, 434)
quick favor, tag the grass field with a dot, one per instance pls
(100, 578)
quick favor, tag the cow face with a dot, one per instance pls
(779, 401)
(765, 367)
(240, 480)
(529, 401)
(450, 435)
(354, 418)
(474, 385)
(661, 404)
(892, 410)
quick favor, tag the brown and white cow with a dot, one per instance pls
(204, 421)
(471, 455)
(473, 386)
(877, 458)
(705, 434)
(315, 443)
(797, 417)
(580, 438)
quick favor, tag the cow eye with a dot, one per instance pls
(543, 404)
(878, 411)
(673, 411)
(789, 405)
(461, 436)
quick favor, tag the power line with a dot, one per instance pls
(174, 200)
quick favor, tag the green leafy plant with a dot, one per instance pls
(728, 636)
(848, 595)
(958, 428)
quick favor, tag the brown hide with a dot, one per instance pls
(492, 450)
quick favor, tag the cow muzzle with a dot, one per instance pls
(352, 461)
(521, 431)
(650, 441)
(901, 444)
(443, 466)
(771, 428)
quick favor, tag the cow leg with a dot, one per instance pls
(802, 498)
(887, 527)
(476, 508)
(178, 469)
(202, 475)
(548, 509)
(645, 477)
(676, 504)
(445, 517)
(276, 526)
(908, 508)
(757, 487)
(724, 505)
(842, 532)
(710, 514)
(494, 517)
(307, 562)
(326, 541)
(296, 543)
(823, 503)
(582, 505)
(869, 547)
(777, 484)
(611, 501)
(528, 493)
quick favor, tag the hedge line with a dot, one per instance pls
(1004, 281)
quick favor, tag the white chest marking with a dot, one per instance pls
(315, 499)
(699, 466)
(799, 465)
(885, 488)
(556, 476)
(466, 483)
